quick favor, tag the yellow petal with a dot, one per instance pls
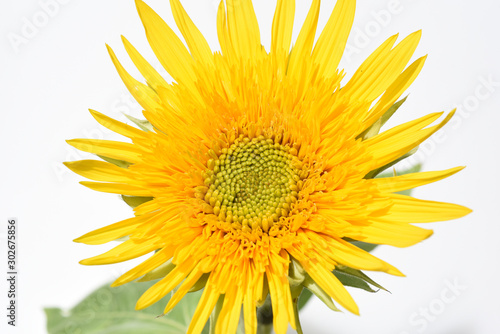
(108, 148)
(243, 27)
(191, 280)
(167, 47)
(392, 144)
(125, 251)
(332, 286)
(282, 26)
(393, 233)
(229, 315)
(385, 69)
(165, 285)
(278, 300)
(99, 170)
(397, 88)
(154, 261)
(303, 46)
(143, 94)
(354, 257)
(332, 41)
(205, 306)
(116, 126)
(249, 312)
(223, 33)
(371, 62)
(110, 232)
(153, 78)
(117, 188)
(194, 39)
(279, 291)
(411, 210)
(410, 181)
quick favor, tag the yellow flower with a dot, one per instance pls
(257, 162)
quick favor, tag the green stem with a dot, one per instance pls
(296, 315)
(215, 314)
(264, 329)
(265, 317)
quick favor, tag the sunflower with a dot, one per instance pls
(254, 172)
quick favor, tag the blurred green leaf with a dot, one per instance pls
(352, 281)
(143, 124)
(314, 287)
(159, 272)
(119, 163)
(388, 114)
(112, 311)
(353, 274)
(415, 169)
(367, 247)
(215, 315)
(374, 129)
(304, 298)
(135, 201)
(377, 171)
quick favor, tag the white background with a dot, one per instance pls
(53, 72)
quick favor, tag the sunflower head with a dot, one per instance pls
(253, 173)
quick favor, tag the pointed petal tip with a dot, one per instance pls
(449, 116)
(116, 283)
(96, 114)
(88, 184)
(466, 210)
(82, 240)
(139, 3)
(79, 239)
(86, 262)
(354, 310)
(395, 272)
(141, 303)
(110, 50)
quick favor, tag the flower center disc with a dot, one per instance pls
(253, 182)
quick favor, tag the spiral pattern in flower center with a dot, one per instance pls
(253, 182)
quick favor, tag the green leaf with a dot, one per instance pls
(112, 311)
(143, 124)
(304, 298)
(54, 317)
(296, 274)
(367, 247)
(415, 169)
(135, 201)
(215, 314)
(377, 171)
(295, 305)
(119, 163)
(352, 281)
(159, 272)
(356, 274)
(374, 129)
(388, 114)
(311, 285)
